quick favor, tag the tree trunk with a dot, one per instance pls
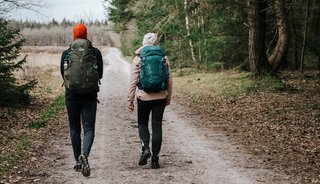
(188, 32)
(318, 63)
(257, 29)
(294, 35)
(304, 38)
(278, 55)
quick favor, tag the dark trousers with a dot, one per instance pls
(80, 111)
(156, 107)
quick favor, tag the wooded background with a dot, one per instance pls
(260, 35)
(274, 117)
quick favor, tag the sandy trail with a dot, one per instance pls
(187, 155)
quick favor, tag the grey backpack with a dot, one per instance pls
(81, 74)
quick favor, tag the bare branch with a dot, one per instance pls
(7, 6)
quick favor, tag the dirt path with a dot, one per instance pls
(188, 155)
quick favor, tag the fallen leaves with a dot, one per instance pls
(280, 127)
(21, 147)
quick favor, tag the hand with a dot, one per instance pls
(131, 106)
(168, 100)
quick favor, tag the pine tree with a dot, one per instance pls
(12, 93)
(119, 13)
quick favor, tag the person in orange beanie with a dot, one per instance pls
(81, 68)
(79, 31)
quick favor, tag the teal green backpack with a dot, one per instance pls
(154, 72)
(81, 71)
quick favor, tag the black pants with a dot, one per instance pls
(156, 107)
(81, 111)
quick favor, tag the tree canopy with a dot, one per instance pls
(214, 34)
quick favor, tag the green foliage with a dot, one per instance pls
(124, 46)
(12, 93)
(218, 30)
(57, 105)
(211, 29)
(120, 14)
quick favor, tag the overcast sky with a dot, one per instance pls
(70, 9)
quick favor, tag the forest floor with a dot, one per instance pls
(276, 122)
(258, 136)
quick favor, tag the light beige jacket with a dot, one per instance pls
(142, 95)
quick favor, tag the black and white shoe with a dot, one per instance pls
(77, 166)
(144, 157)
(85, 169)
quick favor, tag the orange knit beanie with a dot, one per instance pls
(79, 31)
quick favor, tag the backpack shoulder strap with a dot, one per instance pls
(152, 50)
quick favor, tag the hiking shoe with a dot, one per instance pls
(77, 166)
(155, 162)
(85, 169)
(144, 157)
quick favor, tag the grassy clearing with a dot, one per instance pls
(205, 89)
(197, 85)
(200, 86)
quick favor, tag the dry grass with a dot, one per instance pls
(211, 85)
(41, 62)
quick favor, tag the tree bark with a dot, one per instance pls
(318, 64)
(257, 29)
(294, 42)
(304, 38)
(278, 55)
(188, 32)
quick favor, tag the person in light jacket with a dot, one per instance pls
(153, 103)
